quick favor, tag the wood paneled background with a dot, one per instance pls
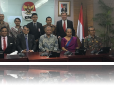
(87, 13)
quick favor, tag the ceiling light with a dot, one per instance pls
(4, 5)
(40, 3)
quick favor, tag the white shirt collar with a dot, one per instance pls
(26, 34)
(3, 37)
(46, 35)
(34, 22)
(65, 20)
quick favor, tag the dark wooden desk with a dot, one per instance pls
(108, 58)
(86, 58)
(56, 66)
(35, 57)
(14, 58)
(6, 65)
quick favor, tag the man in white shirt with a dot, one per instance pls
(62, 25)
(7, 43)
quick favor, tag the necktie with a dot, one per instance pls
(64, 26)
(4, 42)
(26, 43)
(35, 25)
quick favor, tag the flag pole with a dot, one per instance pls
(81, 3)
(82, 39)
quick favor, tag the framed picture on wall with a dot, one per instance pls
(64, 7)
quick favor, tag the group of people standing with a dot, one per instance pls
(34, 37)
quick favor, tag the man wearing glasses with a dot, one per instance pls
(92, 42)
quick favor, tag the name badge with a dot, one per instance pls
(39, 29)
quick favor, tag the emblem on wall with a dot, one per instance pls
(27, 9)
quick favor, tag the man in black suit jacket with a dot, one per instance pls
(26, 42)
(7, 43)
(64, 9)
(36, 28)
(62, 25)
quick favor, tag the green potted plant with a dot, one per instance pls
(105, 20)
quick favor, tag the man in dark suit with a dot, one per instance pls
(64, 9)
(26, 42)
(36, 28)
(62, 25)
(7, 43)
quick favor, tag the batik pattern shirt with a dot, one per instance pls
(15, 31)
(48, 44)
(92, 43)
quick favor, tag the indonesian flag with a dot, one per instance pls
(80, 27)
(61, 6)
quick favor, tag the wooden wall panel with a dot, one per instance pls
(87, 13)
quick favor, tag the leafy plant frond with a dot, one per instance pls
(105, 20)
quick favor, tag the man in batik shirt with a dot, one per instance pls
(16, 29)
(92, 42)
(4, 24)
(48, 42)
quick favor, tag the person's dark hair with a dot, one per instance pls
(90, 27)
(1, 14)
(17, 19)
(47, 18)
(63, 13)
(3, 28)
(25, 26)
(34, 14)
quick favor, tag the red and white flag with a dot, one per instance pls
(28, 9)
(61, 6)
(80, 27)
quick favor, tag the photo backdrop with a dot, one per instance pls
(13, 9)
